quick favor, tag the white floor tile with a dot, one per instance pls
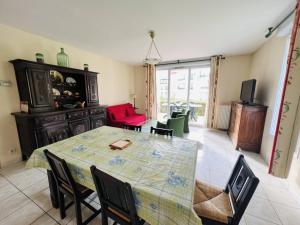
(40, 194)
(70, 214)
(27, 178)
(3, 181)
(13, 169)
(35, 188)
(262, 208)
(281, 196)
(11, 204)
(252, 220)
(287, 215)
(86, 213)
(42, 199)
(45, 220)
(6, 191)
(260, 191)
(23, 216)
(242, 222)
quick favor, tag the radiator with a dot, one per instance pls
(223, 116)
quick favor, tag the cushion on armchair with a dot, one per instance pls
(186, 115)
(175, 124)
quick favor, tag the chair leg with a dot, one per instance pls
(62, 209)
(78, 211)
(104, 218)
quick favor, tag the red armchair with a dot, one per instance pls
(117, 115)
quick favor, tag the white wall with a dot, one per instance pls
(233, 70)
(116, 80)
(294, 175)
(266, 69)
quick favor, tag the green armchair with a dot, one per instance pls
(186, 115)
(176, 124)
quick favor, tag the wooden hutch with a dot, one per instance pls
(50, 92)
(246, 126)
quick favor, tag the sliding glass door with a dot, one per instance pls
(183, 88)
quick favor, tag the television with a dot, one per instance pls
(247, 91)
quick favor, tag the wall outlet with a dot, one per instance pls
(13, 151)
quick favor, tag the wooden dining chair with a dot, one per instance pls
(67, 186)
(161, 131)
(116, 199)
(132, 127)
(218, 207)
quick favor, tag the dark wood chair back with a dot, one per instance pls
(161, 131)
(61, 172)
(116, 198)
(241, 187)
(132, 127)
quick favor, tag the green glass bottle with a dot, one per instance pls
(62, 58)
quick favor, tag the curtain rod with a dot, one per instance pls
(186, 61)
(272, 29)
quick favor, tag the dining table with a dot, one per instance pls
(160, 170)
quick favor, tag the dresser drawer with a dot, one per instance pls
(97, 111)
(77, 115)
(40, 121)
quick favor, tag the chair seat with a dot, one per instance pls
(118, 214)
(212, 203)
(83, 191)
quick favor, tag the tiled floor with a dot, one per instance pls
(24, 193)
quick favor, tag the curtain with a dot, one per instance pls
(150, 92)
(288, 108)
(212, 97)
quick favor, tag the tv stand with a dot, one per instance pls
(247, 125)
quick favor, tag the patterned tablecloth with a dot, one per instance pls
(161, 171)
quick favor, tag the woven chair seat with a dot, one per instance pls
(212, 203)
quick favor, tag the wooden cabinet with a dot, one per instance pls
(43, 124)
(92, 87)
(247, 126)
(37, 80)
(40, 129)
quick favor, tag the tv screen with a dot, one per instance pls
(247, 91)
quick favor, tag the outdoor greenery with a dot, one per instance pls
(197, 107)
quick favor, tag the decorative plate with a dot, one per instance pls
(56, 76)
(71, 81)
(68, 93)
(55, 92)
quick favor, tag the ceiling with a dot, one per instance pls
(118, 28)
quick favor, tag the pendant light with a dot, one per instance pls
(150, 58)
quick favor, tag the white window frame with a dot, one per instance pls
(189, 67)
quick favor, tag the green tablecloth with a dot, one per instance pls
(161, 171)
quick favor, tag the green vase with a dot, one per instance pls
(62, 58)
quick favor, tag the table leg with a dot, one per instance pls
(53, 189)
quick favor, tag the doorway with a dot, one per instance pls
(184, 88)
